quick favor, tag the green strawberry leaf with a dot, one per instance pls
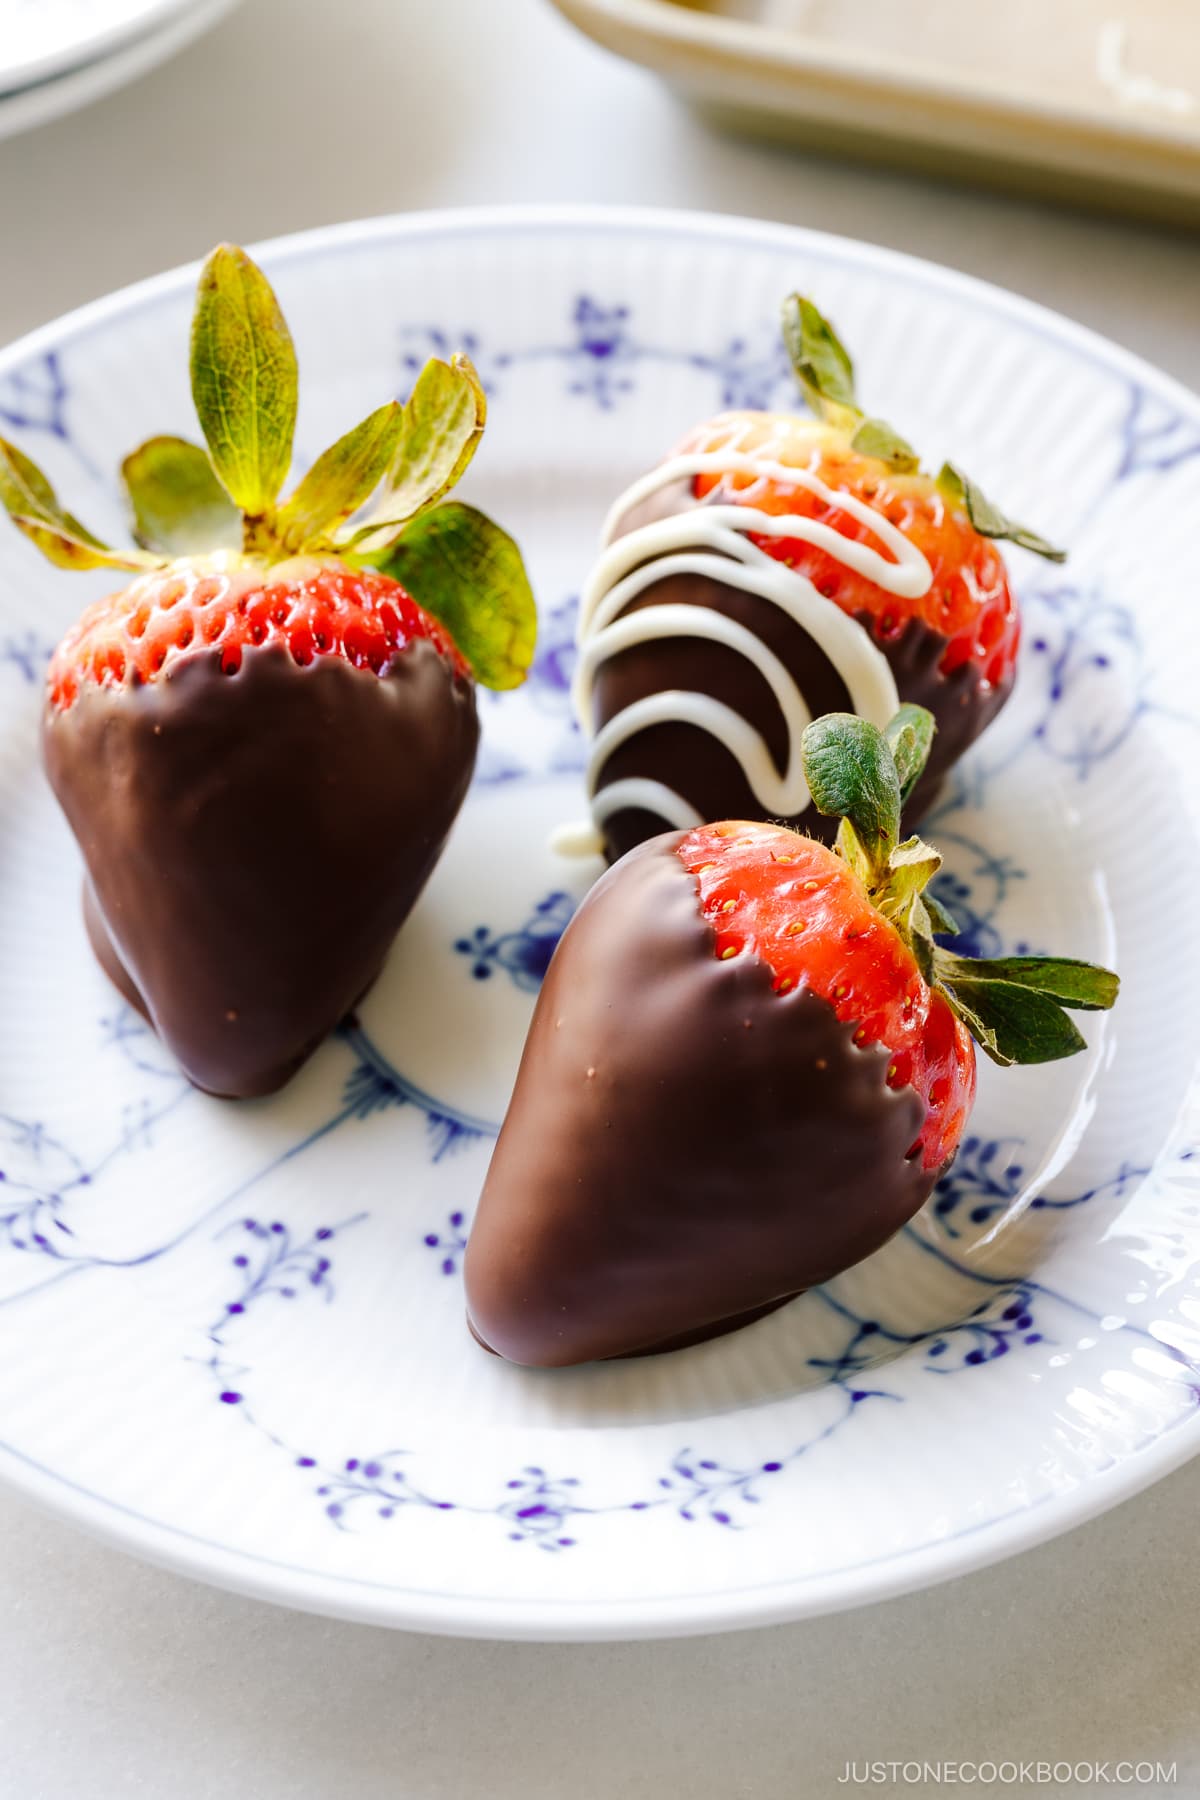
(821, 361)
(244, 379)
(920, 938)
(33, 506)
(467, 572)
(909, 733)
(900, 894)
(342, 479)
(66, 551)
(1013, 1024)
(1014, 1006)
(25, 489)
(910, 867)
(875, 437)
(24, 485)
(443, 422)
(979, 1029)
(177, 503)
(941, 922)
(1020, 1001)
(852, 850)
(987, 519)
(1079, 985)
(851, 774)
(825, 371)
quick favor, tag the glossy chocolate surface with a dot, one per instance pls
(254, 841)
(693, 763)
(685, 1148)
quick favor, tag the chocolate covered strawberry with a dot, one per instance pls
(776, 567)
(748, 1065)
(262, 742)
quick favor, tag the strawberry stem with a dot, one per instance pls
(1014, 1007)
(400, 463)
(825, 371)
(821, 362)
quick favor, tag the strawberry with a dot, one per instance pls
(262, 742)
(799, 908)
(749, 1064)
(968, 602)
(710, 712)
(308, 607)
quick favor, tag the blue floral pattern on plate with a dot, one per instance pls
(269, 1255)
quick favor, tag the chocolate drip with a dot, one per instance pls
(254, 841)
(685, 1147)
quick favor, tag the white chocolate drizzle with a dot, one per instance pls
(714, 540)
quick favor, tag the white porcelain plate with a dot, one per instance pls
(40, 39)
(169, 27)
(231, 1336)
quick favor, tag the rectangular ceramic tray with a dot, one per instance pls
(1090, 99)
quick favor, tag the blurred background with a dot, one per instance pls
(116, 1680)
(280, 118)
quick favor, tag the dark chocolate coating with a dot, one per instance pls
(694, 763)
(685, 1148)
(254, 841)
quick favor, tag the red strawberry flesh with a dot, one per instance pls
(800, 909)
(312, 607)
(969, 600)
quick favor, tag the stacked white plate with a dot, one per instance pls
(58, 55)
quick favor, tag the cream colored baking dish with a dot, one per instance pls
(1098, 99)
